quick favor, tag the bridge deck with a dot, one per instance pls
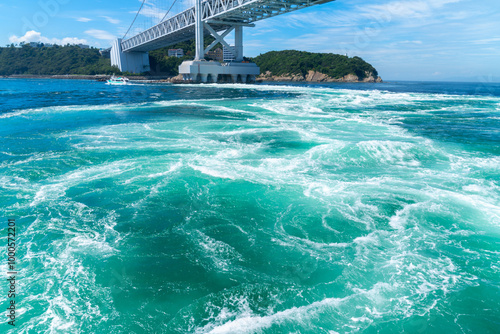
(181, 27)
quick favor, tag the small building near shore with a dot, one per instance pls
(179, 53)
(216, 55)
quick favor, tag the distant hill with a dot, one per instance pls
(306, 66)
(53, 60)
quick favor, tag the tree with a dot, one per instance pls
(56, 60)
(299, 62)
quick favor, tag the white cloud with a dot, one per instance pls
(83, 19)
(100, 34)
(153, 12)
(111, 20)
(405, 9)
(35, 36)
(382, 14)
(487, 41)
(411, 42)
(151, 9)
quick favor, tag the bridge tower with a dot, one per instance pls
(217, 17)
(201, 70)
(133, 62)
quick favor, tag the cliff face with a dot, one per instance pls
(314, 76)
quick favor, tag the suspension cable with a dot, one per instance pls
(173, 3)
(137, 14)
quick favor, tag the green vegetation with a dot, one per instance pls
(70, 59)
(299, 62)
(161, 63)
(60, 60)
(54, 60)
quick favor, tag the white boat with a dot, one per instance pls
(117, 80)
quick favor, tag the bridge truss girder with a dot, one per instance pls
(181, 27)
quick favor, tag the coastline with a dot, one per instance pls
(312, 76)
(96, 77)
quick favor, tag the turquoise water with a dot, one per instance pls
(335, 208)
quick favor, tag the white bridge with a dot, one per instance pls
(211, 17)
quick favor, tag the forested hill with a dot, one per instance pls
(291, 62)
(54, 60)
(70, 59)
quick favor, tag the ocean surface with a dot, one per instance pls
(268, 208)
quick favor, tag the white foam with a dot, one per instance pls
(173, 168)
(391, 152)
(400, 219)
(371, 239)
(218, 253)
(356, 311)
(476, 188)
(214, 172)
(16, 113)
(118, 107)
(56, 187)
(86, 244)
(32, 158)
(474, 163)
(64, 286)
(248, 322)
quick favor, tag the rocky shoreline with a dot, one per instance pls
(313, 76)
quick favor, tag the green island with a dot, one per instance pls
(292, 65)
(288, 65)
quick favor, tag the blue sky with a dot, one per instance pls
(456, 40)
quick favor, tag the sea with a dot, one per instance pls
(259, 208)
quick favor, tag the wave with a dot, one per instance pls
(290, 209)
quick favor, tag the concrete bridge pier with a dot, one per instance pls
(199, 66)
(133, 62)
(199, 71)
(213, 78)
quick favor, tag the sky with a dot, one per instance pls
(422, 40)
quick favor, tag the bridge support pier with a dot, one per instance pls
(133, 62)
(199, 68)
(238, 42)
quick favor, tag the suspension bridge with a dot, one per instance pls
(207, 17)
